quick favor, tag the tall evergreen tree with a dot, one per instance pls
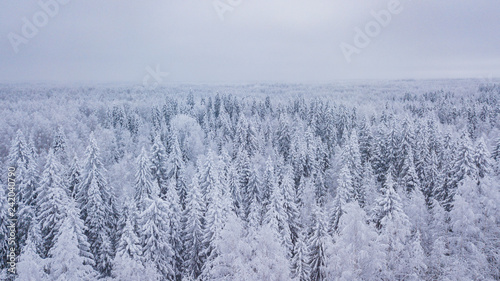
(156, 248)
(370, 188)
(291, 200)
(51, 201)
(464, 162)
(300, 260)
(73, 176)
(482, 159)
(78, 227)
(18, 153)
(216, 216)
(174, 212)
(28, 187)
(319, 243)
(357, 253)
(193, 228)
(98, 230)
(345, 194)
(127, 264)
(145, 187)
(276, 216)
(59, 145)
(395, 231)
(31, 265)
(496, 150)
(176, 169)
(352, 157)
(159, 160)
(98, 210)
(66, 262)
(466, 241)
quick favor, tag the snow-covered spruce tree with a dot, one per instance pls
(408, 174)
(145, 187)
(159, 160)
(252, 138)
(73, 176)
(209, 173)
(193, 215)
(345, 194)
(243, 170)
(233, 184)
(352, 159)
(128, 263)
(216, 216)
(488, 205)
(496, 150)
(98, 210)
(174, 213)
(267, 258)
(276, 216)
(369, 183)
(21, 158)
(98, 230)
(66, 261)
(129, 243)
(28, 187)
(232, 257)
(418, 213)
(482, 159)
(51, 201)
(259, 256)
(379, 158)
(59, 145)
(395, 233)
(252, 196)
(282, 138)
(31, 265)
(432, 185)
(290, 204)
(298, 155)
(18, 153)
(464, 163)
(175, 170)
(357, 253)
(319, 242)
(468, 259)
(126, 268)
(268, 179)
(300, 260)
(405, 147)
(79, 228)
(154, 234)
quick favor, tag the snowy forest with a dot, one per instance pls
(395, 180)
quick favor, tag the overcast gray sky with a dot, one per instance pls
(254, 41)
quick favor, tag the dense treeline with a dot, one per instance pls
(123, 185)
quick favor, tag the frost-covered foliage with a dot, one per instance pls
(366, 181)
